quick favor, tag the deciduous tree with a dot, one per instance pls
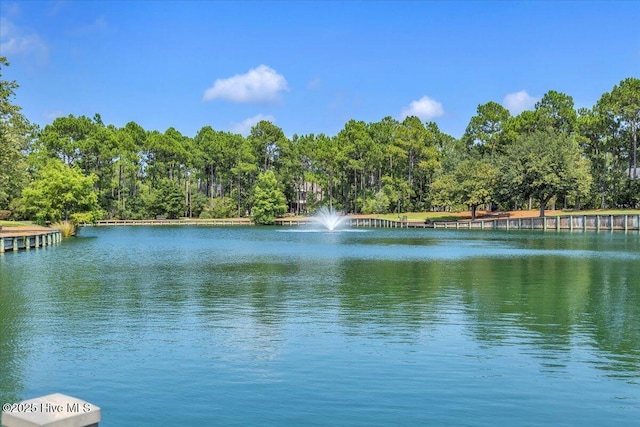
(545, 164)
(60, 191)
(15, 134)
(268, 200)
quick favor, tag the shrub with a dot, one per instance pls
(67, 228)
(219, 208)
(377, 205)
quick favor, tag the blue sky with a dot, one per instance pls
(309, 66)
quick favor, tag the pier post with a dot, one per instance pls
(1, 245)
(53, 410)
(626, 226)
(27, 242)
(571, 222)
(597, 222)
(37, 241)
(584, 223)
(15, 244)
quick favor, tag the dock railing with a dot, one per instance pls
(622, 222)
(122, 222)
(565, 222)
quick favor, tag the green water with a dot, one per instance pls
(270, 326)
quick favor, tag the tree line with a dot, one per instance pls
(83, 169)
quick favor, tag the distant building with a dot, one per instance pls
(631, 174)
(308, 192)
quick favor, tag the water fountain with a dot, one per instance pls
(329, 218)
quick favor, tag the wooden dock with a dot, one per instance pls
(356, 222)
(292, 221)
(569, 222)
(123, 222)
(21, 239)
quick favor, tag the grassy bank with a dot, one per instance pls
(5, 223)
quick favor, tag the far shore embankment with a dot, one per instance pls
(627, 220)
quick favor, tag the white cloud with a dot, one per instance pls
(14, 41)
(517, 102)
(261, 85)
(425, 109)
(244, 127)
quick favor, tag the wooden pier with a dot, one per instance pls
(569, 222)
(123, 222)
(357, 222)
(18, 240)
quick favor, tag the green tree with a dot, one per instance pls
(269, 201)
(325, 165)
(443, 191)
(267, 141)
(166, 199)
(472, 183)
(242, 171)
(15, 134)
(379, 204)
(622, 107)
(485, 129)
(211, 150)
(126, 170)
(592, 136)
(545, 164)
(355, 143)
(219, 208)
(476, 180)
(60, 191)
(555, 110)
(67, 138)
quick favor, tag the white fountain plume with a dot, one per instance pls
(329, 218)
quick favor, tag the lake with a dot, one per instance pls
(202, 326)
